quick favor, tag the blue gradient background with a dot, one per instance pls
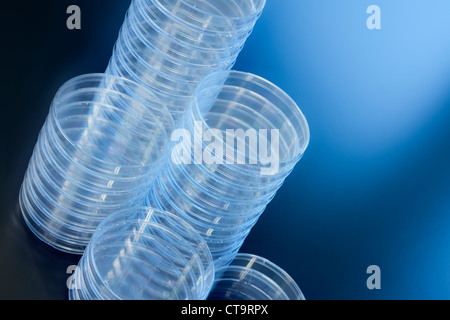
(374, 184)
(373, 187)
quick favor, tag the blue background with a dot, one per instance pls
(373, 187)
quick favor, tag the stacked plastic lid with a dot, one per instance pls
(242, 137)
(98, 152)
(250, 277)
(144, 254)
(171, 45)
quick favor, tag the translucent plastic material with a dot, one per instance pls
(171, 45)
(224, 199)
(250, 277)
(100, 149)
(144, 254)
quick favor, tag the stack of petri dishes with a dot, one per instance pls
(157, 170)
(251, 277)
(98, 152)
(144, 254)
(171, 45)
(242, 137)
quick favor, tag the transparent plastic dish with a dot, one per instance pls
(144, 254)
(250, 277)
(224, 200)
(103, 144)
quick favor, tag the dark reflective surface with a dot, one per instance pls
(30, 269)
